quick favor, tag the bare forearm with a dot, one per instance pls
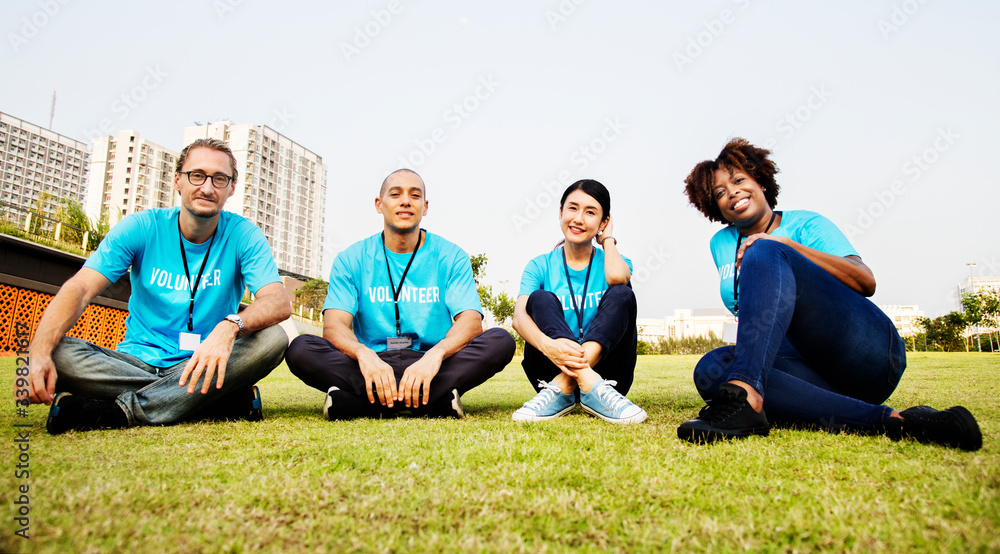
(616, 271)
(60, 315)
(525, 326)
(265, 311)
(853, 273)
(343, 338)
(466, 327)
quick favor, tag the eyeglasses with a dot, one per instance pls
(197, 178)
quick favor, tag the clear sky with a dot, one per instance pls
(882, 114)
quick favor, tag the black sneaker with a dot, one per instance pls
(341, 405)
(728, 416)
(244, 405)
(76, 413)
(954, 427)
(449, 406)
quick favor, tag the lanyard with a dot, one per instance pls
(194, 285)
(736, 275)
(395, 291)
(569, 282)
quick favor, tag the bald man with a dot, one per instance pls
(402, 321)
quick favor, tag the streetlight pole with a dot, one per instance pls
(972, 286)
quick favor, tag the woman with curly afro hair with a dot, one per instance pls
(810, 347)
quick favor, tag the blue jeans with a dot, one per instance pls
(613, 328)
(150, 395)
(817, 351)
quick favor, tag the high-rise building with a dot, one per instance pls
(281, 188)
(973, 285)
(129, 174)
(37, 164)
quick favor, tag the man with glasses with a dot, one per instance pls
(187, 354)
(402, 322)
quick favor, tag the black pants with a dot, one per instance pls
(613, 328)
(315, 360)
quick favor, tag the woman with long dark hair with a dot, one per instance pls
(576, 312)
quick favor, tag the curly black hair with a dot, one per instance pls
(738, 155)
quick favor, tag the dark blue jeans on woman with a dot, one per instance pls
(816, 350)
(613, 328)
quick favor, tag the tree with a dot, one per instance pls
(500, 306)
(983, 309)
(312, 294)
(945, 332)
(972, 306)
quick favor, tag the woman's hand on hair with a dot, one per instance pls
(606, 232)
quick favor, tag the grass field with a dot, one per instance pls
(295, 482)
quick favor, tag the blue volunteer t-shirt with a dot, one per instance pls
(547, 272)
(804, 227)
(149, 242)
(438, 287)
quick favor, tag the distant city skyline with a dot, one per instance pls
(880, 115)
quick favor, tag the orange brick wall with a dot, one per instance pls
(100, 325)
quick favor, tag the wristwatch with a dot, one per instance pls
(238, 321)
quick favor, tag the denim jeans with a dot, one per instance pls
(150, 395)
(816, 350)
(613, 328)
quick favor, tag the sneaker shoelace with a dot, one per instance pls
(546, 395)
(612, 398)
(722, 408)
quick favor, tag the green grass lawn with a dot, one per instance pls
(295, 482)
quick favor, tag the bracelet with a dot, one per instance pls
(605, 239)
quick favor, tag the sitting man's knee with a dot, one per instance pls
(501, 344)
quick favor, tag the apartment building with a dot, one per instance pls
(129, 174)
(281, 188)
(37, 164)
(904, 318)
(685, 323)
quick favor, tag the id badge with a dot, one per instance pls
(189, 341)
(398, 343)
(729, 332)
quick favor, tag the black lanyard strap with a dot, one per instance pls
(569, 282)
(736, 275)
(402, 278)
(194, 285)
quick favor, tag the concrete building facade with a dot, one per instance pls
(281, 188)
(129, 174)
(904, 318)
(38, 164)
(685, 323)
